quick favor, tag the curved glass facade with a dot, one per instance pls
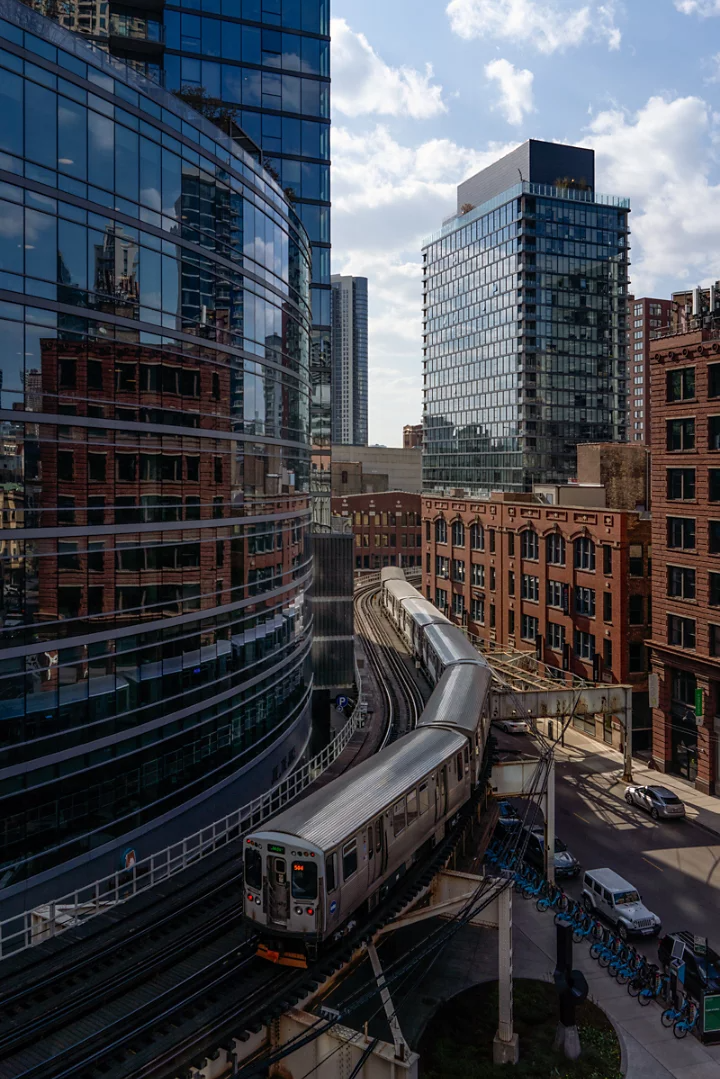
(154, 352)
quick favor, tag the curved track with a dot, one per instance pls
(403, 699)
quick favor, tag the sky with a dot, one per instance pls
(426, 93)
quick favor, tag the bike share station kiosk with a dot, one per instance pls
(709, 1006)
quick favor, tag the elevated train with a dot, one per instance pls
(331, 857)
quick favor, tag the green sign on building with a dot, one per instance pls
(711, 1016)
(698, 702)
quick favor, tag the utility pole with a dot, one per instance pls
(627, 747)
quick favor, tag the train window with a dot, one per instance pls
(331, 872)
(466, 754)
(399, 817)
(424, 798)
(379, 835)
(459, 767)
(253, 869)
(350, 859)
(370, 848)
(412, 807)
(304, 880)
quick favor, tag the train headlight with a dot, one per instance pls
(257, 900)
(298, 910)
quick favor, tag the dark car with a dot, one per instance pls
(566, 864)
(702, 972)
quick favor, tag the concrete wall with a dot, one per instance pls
(383, 469)
(620, 467)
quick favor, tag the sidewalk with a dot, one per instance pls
(649, 1050)
(607, 765)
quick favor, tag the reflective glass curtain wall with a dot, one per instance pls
(155, 465)
(524, 338)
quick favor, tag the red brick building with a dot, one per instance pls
(645, 317)
(572, 580)
(386, 527)
(685, 645)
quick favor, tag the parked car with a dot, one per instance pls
(512, 726)
(658, 801)
(702, 972)
(607, 893)
(566, 864)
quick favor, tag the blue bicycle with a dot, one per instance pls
(688, 1022)
(673, 1015)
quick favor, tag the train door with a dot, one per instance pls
(441, 789)
(278, 891)
(374, 849)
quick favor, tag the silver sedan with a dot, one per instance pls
(657, 801)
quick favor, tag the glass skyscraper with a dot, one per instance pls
(154, 467)
(524, 301)
(350, 360)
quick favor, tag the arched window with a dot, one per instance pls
(477, 536)
(584, 553)
(529, 545)
(458, 534)
(441, 530)
(555, 549)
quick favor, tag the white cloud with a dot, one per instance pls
(698, 7)
(516, 89)
(547, 25)
(386, 198)
(364, 83)
(662, 157)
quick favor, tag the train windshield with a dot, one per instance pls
(304, 880)
(253, 869)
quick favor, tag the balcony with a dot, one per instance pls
(136, 36)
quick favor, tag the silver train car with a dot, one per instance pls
(328, 859)
(331, 856)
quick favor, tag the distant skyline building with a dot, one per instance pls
(349, 360)
(646, 316)
(525, 308)
(412, 436)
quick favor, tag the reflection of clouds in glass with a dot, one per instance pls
(11, 226)
(150, 196)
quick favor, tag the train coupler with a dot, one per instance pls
(281, 957)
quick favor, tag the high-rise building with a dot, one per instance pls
(262, 66)
(524, 294)
(349, 360)
(646, 316)
(154, 563)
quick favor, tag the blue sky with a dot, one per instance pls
(426, 94)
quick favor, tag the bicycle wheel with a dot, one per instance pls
(605, 957)
(578, 934)
(644, 997)
(595, 949)
(680, 1028)
(542, 904)
(623, 976)
(598, 930)
(669, 1017)
(635, 987)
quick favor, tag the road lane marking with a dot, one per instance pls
(652, 863)
(581, 817)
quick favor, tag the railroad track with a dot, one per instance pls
(403, 698)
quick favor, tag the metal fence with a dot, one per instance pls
(33, 926)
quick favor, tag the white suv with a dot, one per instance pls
(609, 894)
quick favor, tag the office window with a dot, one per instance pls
(529, 545)
(477, 575)
(511, 543)
(442, 566)
(714, 640)
(681, 384)
(492, 540)
(681, 631)
(713, 536)
(477, 610)
(511, 583)
(714, 590)
(680, 582)
(714, 380)
(681, 532)
(477, 537)
(556, 592)
(555, 550)
(681, 483)
(492, 616)
(584, 553)
(636, 657)
(458, 604)
(714, 433)
(636, 611)
(528, 627)
(584, 645)
(607, 606)
(458, 569)
(680, 434)
(714, 485)
(492, 578)
(555, 637)
(441, 599)
(607, 560)
(441, 530)
(530, 587)
(585, 601)
(607, 654)
(635, 560)
(458, 534)
(511, 622)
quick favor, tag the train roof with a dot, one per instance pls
(401, 590)
(451, 645)
(458, 699)
(338, 811)
(423, 613)
(392, 573)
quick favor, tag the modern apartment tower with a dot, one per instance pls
(155, 468)
(524, 301)
(646, 316)
(349, 360)
(264, 64)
